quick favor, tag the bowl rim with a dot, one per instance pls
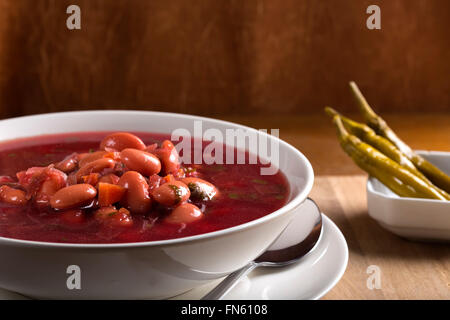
(371, 189)
(290, 205)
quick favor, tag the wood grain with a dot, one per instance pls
(409, 270)
(222, 57)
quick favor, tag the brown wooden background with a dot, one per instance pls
(216, 57)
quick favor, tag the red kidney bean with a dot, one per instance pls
(73, 217)
(28, 176)
(72, 179)
(86, 158)
(13, 184)
(12, 196)
(6, 179)
(140, 161)
(184, 213)
(103, 212)
(68, 164)
(73, 196)
(46, 191)
(42, 182)
(95, 166)
(200, 189)
(151, 147)
(111, 215)
(169, 157)
(171, 193)
(121, 140)
(122, 218)
(154, 181)
(91, 178)
(137, 197)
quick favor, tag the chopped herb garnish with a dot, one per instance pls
(259, 181)
(189, 170)
(197, 192)
(217, 167)
(177, 192)
(53, 226)
(279, 197)
(112, 213)
(253, 196)
(72, 139)
(12, 155)
(233, 196)
(91, 150)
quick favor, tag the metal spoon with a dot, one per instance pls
(298, 239)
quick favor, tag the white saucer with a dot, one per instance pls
(309, 279)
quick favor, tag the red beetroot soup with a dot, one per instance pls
(34, 171)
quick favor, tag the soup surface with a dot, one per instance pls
(33, 207)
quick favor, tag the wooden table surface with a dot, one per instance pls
(409, 270)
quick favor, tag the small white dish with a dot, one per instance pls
(416, 219)
(309, 279)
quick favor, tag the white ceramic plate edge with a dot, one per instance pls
(343, 266)
(331, 236)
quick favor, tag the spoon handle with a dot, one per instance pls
(229, 282)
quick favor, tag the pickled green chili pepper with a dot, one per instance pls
(367, 135)
(434, 174)
(387, 171)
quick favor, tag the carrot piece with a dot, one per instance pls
(109, 193)
(113, 155)
(124, 211)
(169, 178)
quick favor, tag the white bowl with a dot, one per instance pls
(157, 269)
(416, 219)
